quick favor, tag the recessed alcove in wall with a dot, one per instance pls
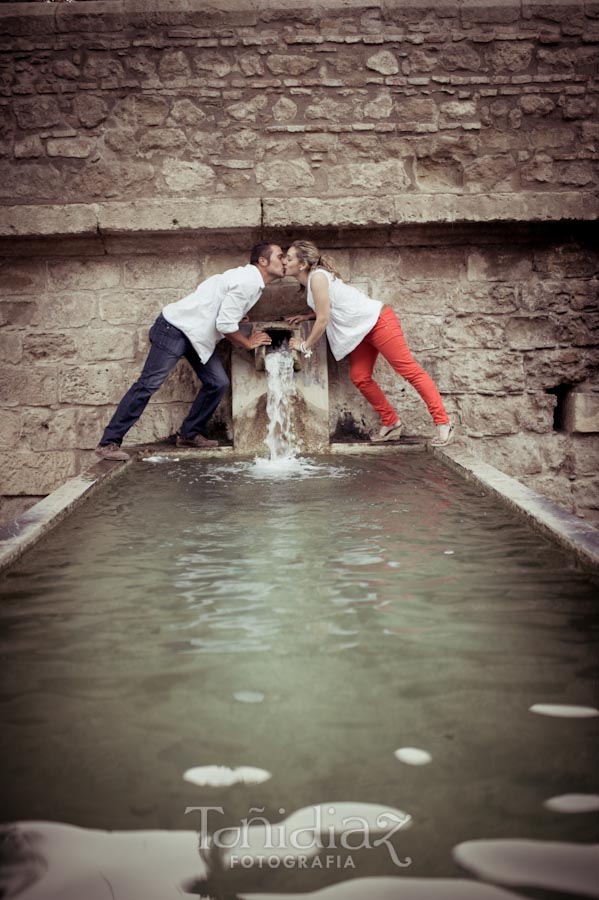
(77, 309)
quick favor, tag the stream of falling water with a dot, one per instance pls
(280, 438)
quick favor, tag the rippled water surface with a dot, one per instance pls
(309, 622)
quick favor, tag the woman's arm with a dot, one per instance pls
(322, 304)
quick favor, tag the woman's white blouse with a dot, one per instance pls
(352, 316)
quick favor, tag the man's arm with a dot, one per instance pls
(232, 311)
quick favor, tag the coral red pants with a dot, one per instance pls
(387, 338)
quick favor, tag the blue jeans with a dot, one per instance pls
(168, 345)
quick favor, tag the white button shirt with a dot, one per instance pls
(353, 314)
(216, 307)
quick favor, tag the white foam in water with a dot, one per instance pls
(160, 459)
(564, 711)
(308, 830)
(571, 868)
(223, 776)
(52, 860)
(249, 696)
(63, 862)
(412, 756)
(573, 803)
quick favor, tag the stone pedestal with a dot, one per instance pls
(310, 405)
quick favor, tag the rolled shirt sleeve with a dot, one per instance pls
(236, 303)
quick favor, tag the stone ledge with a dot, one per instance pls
(573, 534)
(28, 529)
(230, 214)
(135, 217)
(132, 7)
(430, 209)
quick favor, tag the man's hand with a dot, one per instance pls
(258, 339)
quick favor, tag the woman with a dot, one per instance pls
(362, 327)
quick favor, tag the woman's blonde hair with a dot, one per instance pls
(309, 253)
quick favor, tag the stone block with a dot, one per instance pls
(480, 371)
(28, 386)
(566, 260)
(560, 296)
(422, 332)
(581, 413)
(498, 264)
(290, 64)
(22, 277)
(182, 273)
(460, 57)
(284, 175)
(307, 211)
(186, 176)
(546, 369)
(39, 221)
(93, 385)
(439, 174)
(585, 493)
(66, 310)
(19, 312)
(161, 139)
(83, 274)
(176, 215)
(11, 428)
(158, 422)
(28, 472)
(48, 347)
(486, 416)
(11, 346)
(531, 332)
(248, 111)
(474, 331)
(427, 298)
(413, 111)
(75, 148)
(39, 112)
(284, 110)
(134, 307)
(583, 453)
(510, 56)
(384, 62)
(384, 265)
(368, 177)
(29, 147)
(517, 455)
(99, 344)
(431, 264)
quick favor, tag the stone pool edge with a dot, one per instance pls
(18, 536)
(569, 531)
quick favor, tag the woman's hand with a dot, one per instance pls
(295, 320)
(294, 344)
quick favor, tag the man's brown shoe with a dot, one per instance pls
(198, 441)
(111, 451)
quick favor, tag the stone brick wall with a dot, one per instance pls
(257, 99)
(446, 153)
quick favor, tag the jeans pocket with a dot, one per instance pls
(168, 337)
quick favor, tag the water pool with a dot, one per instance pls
(309, 623)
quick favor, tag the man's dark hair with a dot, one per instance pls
(264, 248)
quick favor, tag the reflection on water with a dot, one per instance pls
(306, 623)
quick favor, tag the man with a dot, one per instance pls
(192, 327)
